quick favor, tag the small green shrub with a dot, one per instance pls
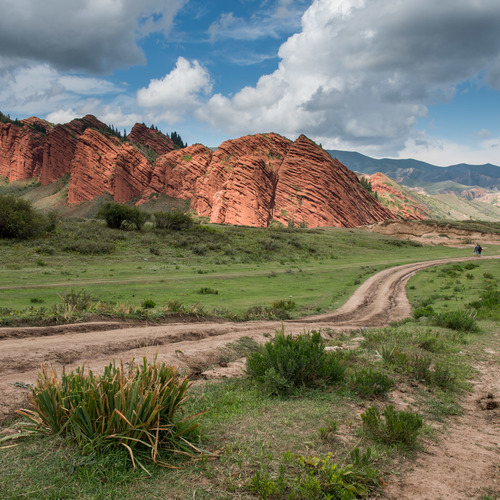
(79, 300)
(174, 220)
(286, 363)
(18, 219)
(148, 304)
(430, 341)
(368, 383)
(117, 215)
(319, 478)
(285, 305)
(420, 312)
(397, 427)
(457, 320)
(205, 290)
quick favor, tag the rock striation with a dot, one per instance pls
(255, 180)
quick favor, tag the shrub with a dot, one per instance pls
(368, 383)
(426, 311)
(136, 408)
(457, 320)
(319, 477)
(285, 305)
(207, 290)
(174, 220)
(148, 304)
(117, 215)
(398, 427)
(18, 219)
(286, 363)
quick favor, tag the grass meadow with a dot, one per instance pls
(334, 439)
(212, 270)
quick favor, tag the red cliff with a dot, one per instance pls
(254, 180)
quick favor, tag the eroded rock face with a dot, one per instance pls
(253, 180)
(403, 204)
(150, 138)
(257, 179)
(315, 190)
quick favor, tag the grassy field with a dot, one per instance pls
(256, 445)
(215, 270)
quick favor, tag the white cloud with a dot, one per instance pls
(363, 72)
(178, 92)
(269, 22)
(444, 152)
(91, 35)
(39, 89)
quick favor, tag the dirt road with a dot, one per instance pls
(195, 346)
(190, 346)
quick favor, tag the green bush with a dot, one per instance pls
(286, 363)
(137, 408)
(174, 220)
(368, 383)
(18, 219)
(457, 320)
(398, 427)
(426, 311)
(117, 216)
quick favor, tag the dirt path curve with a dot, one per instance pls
(190, 346)
(457, 468)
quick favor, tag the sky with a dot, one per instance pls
(386, 78)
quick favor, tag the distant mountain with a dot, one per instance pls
(414, 173)
(409, 204)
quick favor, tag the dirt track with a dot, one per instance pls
(460, 467)
(190, 346)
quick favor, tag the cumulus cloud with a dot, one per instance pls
(88, 35)
(39, 88)
(178, 92)
(269, 22)
(362, 72)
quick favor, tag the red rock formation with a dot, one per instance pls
(318, 191)
(398, 199)
(21, 149)
(253, 180)
(239, 185)
(150, 138)
(256, 179)
(103, 165)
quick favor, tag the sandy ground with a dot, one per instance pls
(466, 461)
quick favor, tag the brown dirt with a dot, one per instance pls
(458, 466)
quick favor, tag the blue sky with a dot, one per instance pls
(387, 78)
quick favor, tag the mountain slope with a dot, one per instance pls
(417, 173)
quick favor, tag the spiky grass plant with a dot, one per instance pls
(136, 407)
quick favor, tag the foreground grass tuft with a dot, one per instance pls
(136, 408)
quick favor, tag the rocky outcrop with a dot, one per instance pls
(401, 201)
(254, 180)
(21, 149)
(150, 138)
(318, 191)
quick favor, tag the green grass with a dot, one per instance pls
(249, 267)
(257, 444)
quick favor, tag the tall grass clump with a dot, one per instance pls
(137, 408)
(368, 383)
(397, 427)
(286, 363)
(462, 321)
